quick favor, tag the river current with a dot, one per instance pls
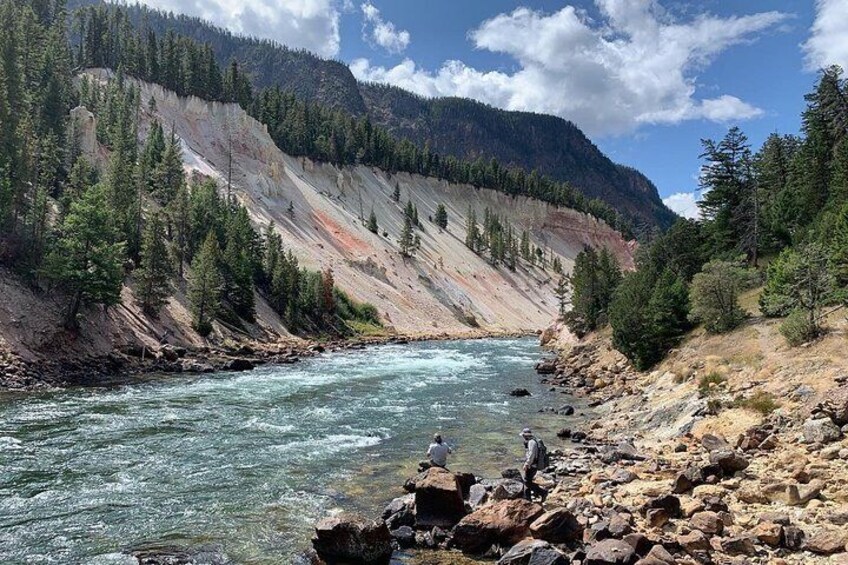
(249, 461)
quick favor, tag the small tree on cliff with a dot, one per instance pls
(372, 223)
(441, 218)
(407, 237)
(86, 258)
(205, 285)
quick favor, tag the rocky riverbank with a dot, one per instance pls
(696, 462)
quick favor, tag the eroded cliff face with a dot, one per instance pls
(441, 289)
(446, 289)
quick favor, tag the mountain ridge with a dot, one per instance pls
(459, 127)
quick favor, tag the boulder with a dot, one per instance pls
(557, 526)
(400, 512)
(478, 496)
(535, 552)
(404, 536)
(668, 502)
(714, 443)
(729, 460)
(826, 542)
(821, 430)
(708, 522)
(546, 367)
(519, 392)
(624, 451)
(240, 365)
(610, 552)
(694, 541)
(768, 533)
(639, 542)
(508, 489)
(837, 404)
(511, 473)
(505, 522)
(687, 480)
(352, 539)
(737, 545)
(438, 499)
(658, 556)
(793, 538)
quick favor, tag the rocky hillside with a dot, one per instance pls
(319, 210)
(453, 126)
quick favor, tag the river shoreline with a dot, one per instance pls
(127, 364)
(662, 478)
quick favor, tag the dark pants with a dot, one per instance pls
(531, 488)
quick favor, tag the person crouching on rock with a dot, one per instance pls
(531, 466)
(438, 452)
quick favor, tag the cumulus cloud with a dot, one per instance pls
(381, 32)
(635, 66)
(684, 203)
(306, 24)
(828, 42)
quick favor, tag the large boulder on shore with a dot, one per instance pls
(557, 526)
(351, 539)
(438, 499)
(505, 522)
(533, 551)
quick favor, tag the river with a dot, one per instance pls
(249, 461)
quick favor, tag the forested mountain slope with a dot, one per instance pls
(452, 126)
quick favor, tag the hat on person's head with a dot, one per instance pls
(526, 432)
(437, 438)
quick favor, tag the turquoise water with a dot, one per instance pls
(251, 460)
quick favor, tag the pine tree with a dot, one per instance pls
(396, 193)
(86, 260)
(407, 239)
(205, 285)
(441, 218)
(238, 262)
(372, 222)
(155, 269)
(169, 174)
(472, 232)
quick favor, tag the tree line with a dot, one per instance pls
(107, 37)
(786, 202)
(66, 226)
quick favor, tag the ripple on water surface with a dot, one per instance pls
(251, 460)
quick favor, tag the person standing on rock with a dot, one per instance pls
(438, 452)
(531, 465)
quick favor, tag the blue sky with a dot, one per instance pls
(645, 79)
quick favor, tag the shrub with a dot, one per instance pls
(714, 296)
(798, 329)
(708, 383)
(761, 401)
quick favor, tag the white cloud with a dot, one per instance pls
(636, 66)
(684, 203)
(307, 24)
(381, 32)
(828, 42)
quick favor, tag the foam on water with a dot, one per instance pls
(249, 460)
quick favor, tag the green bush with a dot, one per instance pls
(798, 329)
(708, 383)
(715, 296)
(761, 401)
